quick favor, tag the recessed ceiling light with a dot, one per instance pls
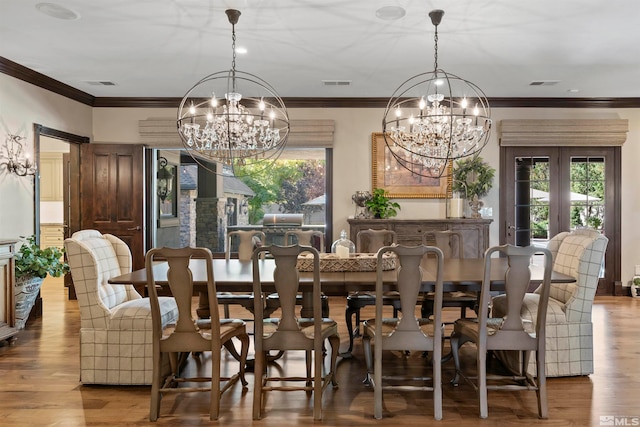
(57, 11)
(573, 90)
(241, 50)
(390, 13)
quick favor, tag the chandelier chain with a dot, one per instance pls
(233, 60)
(435, 50)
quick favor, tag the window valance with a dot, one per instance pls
(577, 132)
(163, 133)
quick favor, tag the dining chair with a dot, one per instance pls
(189, 334)
(509, 331)
(247, 241)
(451, 243)
(569, 330)
(115, 320)
(288, 332)
(406, 332)
(368, 241)
(314, 238)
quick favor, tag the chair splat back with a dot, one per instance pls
(371, 240)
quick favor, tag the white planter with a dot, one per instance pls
(26, 292)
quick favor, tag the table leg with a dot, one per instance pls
(203, 305)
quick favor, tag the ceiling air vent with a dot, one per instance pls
(544, 82)
(336, 82)
(101, 83)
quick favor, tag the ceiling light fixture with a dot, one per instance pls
(229, 131)
(13, 160)
(434, 118)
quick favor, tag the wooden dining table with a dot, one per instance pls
(237, 276)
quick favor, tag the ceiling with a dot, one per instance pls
(160, 48)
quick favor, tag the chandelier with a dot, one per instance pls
(434, 118)
(233, 129)
(13, 160)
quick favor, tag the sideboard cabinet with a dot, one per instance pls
(475, 232)
(7, 285)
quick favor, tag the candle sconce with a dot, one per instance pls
(13, 160)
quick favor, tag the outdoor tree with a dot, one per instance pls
(289, 183)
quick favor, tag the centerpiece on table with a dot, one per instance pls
(32, 266)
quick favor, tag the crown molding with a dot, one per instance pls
(27, 75)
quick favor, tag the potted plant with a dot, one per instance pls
(32, 264)
(380, 206)
(635, 287)
(474, 178)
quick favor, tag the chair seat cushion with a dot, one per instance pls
(469, 327)
(136, 314)
(555, 309)
(329, 327)
(389, 325)
(227, 327)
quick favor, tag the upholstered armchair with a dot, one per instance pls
(569, 341)
(115, 321)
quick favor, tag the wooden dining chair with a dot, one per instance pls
(188, 334)
(313, 238)
(289, 332)
(508, 332)
(247, 241)
(451, 243)
(368, 241)
(406, 333)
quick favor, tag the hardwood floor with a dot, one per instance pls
(39, 383)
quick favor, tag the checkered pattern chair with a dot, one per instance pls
(569, 332)
(115, 321)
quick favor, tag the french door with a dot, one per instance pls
(547, 190)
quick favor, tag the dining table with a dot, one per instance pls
(233, 275)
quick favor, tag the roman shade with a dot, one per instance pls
(563, 133)
(163, 133)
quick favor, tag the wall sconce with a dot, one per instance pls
(230, 207)
(244, 207)
(13, 159)
(164, 178)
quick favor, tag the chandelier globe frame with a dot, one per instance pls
(233, 118)
(434, 118)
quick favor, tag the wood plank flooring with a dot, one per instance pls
(39, 383)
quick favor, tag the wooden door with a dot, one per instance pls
(112, 180)
(554, 189)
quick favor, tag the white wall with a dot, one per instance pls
(352, 153)
(22, 105)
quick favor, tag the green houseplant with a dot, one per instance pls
(635, 287)
(381, 206)
(32, 264)
(32, 261)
